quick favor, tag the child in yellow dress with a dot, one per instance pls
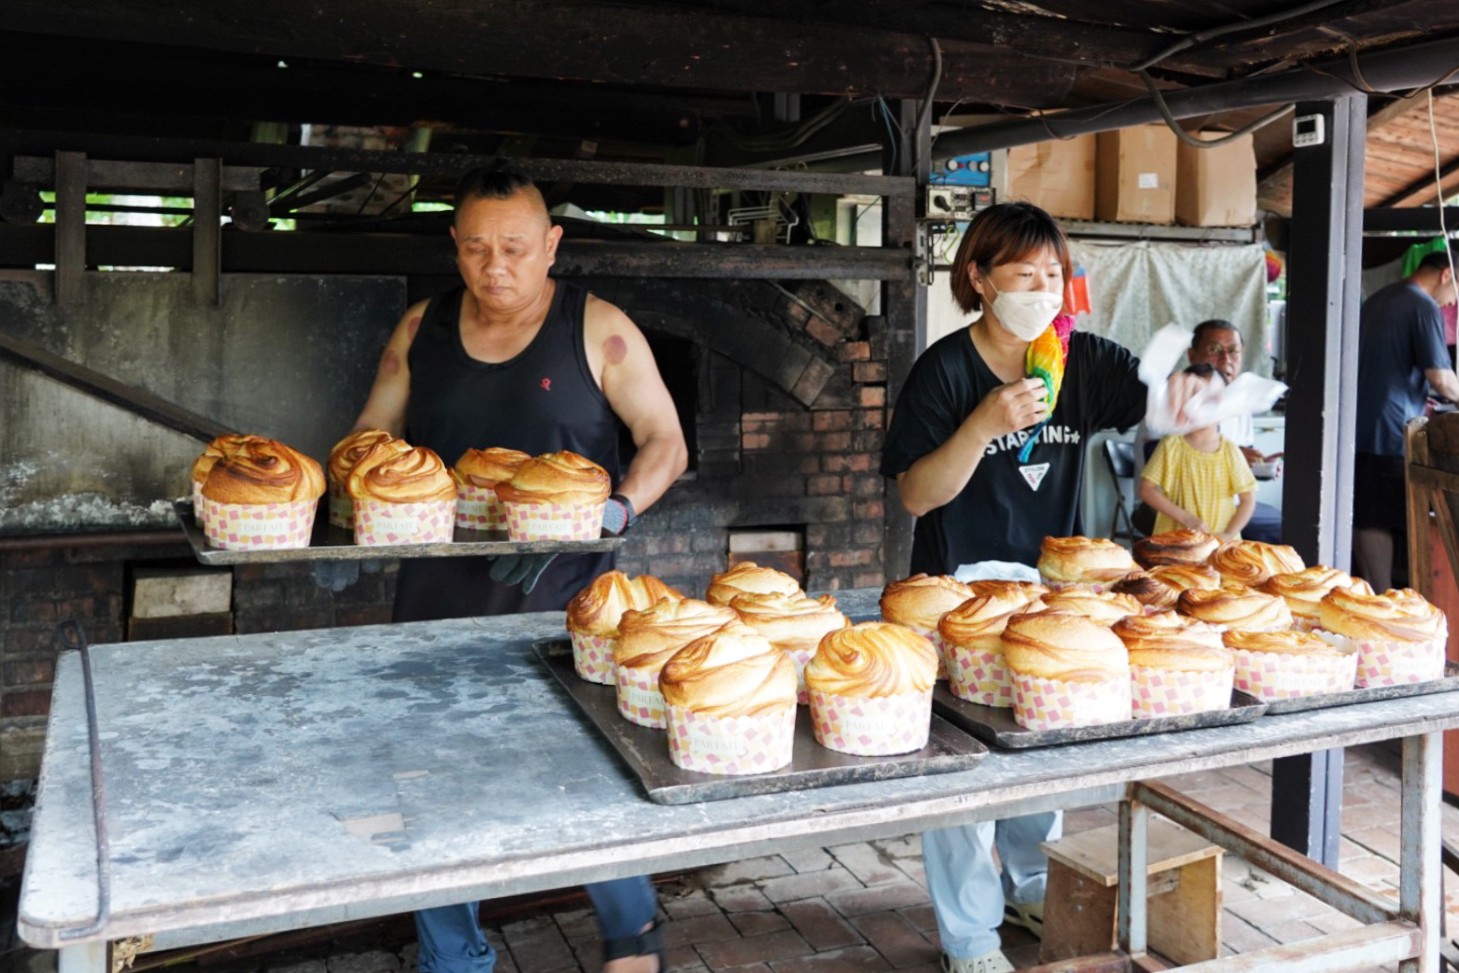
(1199, 480)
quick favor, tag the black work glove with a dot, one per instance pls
(523, 569)
(618, 514)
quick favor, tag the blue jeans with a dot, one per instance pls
(967, 891)
(451, 940)
(1265, 525)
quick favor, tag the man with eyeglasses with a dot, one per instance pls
(1217, 342)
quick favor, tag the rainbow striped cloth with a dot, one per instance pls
(1047, 355)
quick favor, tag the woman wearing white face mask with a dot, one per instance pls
(990, 466)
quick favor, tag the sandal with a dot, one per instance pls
(650, 942)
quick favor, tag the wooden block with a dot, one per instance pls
(756, 541)
(1183, 907)
(174, 592)
(1079, 915)
(1095, 854)
(1100, 963)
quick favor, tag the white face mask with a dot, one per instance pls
(1025, 314)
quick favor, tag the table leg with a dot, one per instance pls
(83, 958)
(1133, 876)
(1418, 856)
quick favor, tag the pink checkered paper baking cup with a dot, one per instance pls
(935, 637)
(426, 522)
(341, 507)
(592, 657)
(198, 501)
(730, 745)
(1171, 692)
(979, 676)
(258, 526)
(639, 699)
(1054, 704)
(477, 508)
(1282, 675)
(801, 658)
(871, 726)
(1390, 663)
(554, 522)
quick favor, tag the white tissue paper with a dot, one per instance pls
(1248, 394)
(995, 571)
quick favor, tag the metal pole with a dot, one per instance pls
(1134, 874)
(1419, 898)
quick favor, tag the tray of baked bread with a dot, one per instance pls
(1446, 683)
(330, 543)
(996, 726)
(646, 751)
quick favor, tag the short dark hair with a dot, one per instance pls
(1213, 324)
(501, 179)
(1001, 234)
(1438, 260)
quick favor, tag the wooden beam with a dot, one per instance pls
(399, 253)
(1424, 191)
(576, 40)
(108, 389)
(70, 232)
(75, 83)
(1414, 219)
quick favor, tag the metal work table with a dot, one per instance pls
(277, 781)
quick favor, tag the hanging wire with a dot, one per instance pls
(1439, 185)
(926, 114)
(1191, 140)
(1201, 36)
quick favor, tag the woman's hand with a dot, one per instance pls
(1009, 408)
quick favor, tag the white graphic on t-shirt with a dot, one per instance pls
(1061, 435)
(1033, 475)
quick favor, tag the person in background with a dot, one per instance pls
(1191, 479)
(516, 359)
(987, 449)
(1401, 357)
(1217, 342)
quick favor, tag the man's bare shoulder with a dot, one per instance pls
(600, 316)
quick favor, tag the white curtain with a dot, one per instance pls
(1137, 288)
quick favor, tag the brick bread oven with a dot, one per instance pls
(787, 419)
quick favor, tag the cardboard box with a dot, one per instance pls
(1135, 175)
(1216, 186)
(1057, 175)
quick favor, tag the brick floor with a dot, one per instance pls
(863, 907)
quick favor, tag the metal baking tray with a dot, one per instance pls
(1300, 704)
(995, 724)
(646, 750)
(330, 543)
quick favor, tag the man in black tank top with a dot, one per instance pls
(518, 360)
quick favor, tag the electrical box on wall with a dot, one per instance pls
(956, 202)
(975, 169)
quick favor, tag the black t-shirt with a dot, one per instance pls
(543, 400)
(1008, 507)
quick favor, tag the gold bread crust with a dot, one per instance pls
(734, 671)
(921, 600)
(649, 637)
(747, 577)
(264, 471)
(599, 607)
(872, 659)
(1182, 546)
(1059, 645)
(488, 467)
(562, 478)
(1086, 560)
(1238, 607)
(1397, 615)
(412, 475)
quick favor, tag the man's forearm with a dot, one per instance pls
(655, 467)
